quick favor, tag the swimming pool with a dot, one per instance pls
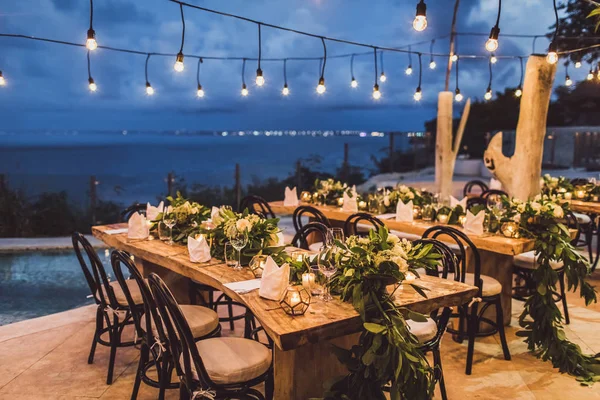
(33, 284)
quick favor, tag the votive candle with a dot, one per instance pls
(340, 201)
(568, 196)
(442, 218)
(308, 280)
(462, 219)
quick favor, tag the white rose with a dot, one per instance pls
(535, 206)
(410, 195)
(386, 200)
(521, 208)
(403, 188)
(558, 212)
(243, 225)
(393, 238)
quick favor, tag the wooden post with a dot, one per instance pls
(520, 174)
(391, 152)
(93, 198)
(447, 147)
(2, 183)
(170, 181)
(346, 165)
(553, 139)
(238, 187)
(298, 176)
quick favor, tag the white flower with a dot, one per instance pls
(410, 195)
(558, 212)
(393, 238)
(517, 218)
(521, 208)
(386, 200)
(243, 225)
(535, 206)
(403, 189)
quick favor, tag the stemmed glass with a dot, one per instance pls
(327, 268)
(239, 240)
(494, 204)
(336, 234)
(169, 223)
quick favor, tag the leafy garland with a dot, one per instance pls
(329, 190)
(188, 216)
(560, 186)
(389, 198)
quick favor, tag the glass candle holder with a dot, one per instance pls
(427, 213)
(462, 219)
(580, 193)
(297, 255)
(568, 195)
(595, 198)
(305, 196)
(362, 205)
(257, 265)
(443, 218)
(309, 281)
(340, 201)
(296, 301)
(417, 212)
(510, 229)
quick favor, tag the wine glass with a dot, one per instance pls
(328, 269)
(239, 240)
(494, 204)
(336, 234)
(169, 221)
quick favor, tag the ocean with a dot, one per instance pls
(133, 165)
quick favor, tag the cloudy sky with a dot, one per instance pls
(47, 83)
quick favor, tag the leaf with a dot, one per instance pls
(417, 317)
(349, 272)
(419, 289)
(542, 289)
(374, 328)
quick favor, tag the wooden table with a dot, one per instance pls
(588, 207)
(496, 252)
(302, 354)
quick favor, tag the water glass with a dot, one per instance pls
(328, 269)
(230, 255)
(427, 213)
(163, 231)
(170, 223)
(239, 240)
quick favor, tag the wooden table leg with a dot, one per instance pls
(301, 373)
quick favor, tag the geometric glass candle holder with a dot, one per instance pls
(416, 212)
(257, 265)
(510, 229)
(296, 300)
(305, 196)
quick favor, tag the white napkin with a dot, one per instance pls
(291, 197)
(280, 239)
(152, 212)
(138, 227)
(350, 203)
(244, 286)
(455, 202)
(474, 223)
(495, 184)
(198, 249)
(404, 212)
(115, 231)
(274, 281)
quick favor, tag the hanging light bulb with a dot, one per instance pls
(92, 85)
(432, 64)
(590, 75)
(418, 95)
(493, 59)
(2, 80)
(519, 92)
(285, 91)
(91, 43)
(577, 64)
(492, 42)
(149, 89)
(200, 92)
(598, 74)
(454, 57)
(458, 96)
(260, 80)
(382, 78)
(376, 92)
(321, 86)
(568, 81)
(354, 83)
(420, 21)
(488, 94)
(244, 90)
(552, 56)
(408, 70)
(178, 66)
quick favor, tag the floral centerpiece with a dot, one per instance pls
(328, 191)
(555, 185)
(389, 199)
(188, 215)
(264, 236)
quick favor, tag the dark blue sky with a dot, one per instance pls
(47, 83)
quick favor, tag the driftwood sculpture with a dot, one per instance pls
(520, 174)
(446, 144)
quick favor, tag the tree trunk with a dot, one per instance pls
(520, 174)
(447, 146)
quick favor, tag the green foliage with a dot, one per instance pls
(579, 19)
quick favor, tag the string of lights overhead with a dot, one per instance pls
(519, 89)
(488, 94)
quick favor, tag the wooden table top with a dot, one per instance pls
(590, 207)
(490, 242)
(321, 321)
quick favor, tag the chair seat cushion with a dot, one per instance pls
(583, 219)
(316, 246)
(491, 286)
(528, 260)
(202, 320)
(424, 331)
(134, 289)
(230, 360)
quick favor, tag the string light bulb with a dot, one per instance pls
(454, 57)
(420, 21)
(354, 83)
(432, 64)
(577, 64)
(149, 89)
(590, 75)
(382, 78)
(552, 56)
(493, 59)
(458, 95)
(408, 70)
(492, 43)
(92, 85)
(418, 94)
(244, 90)
(488, 94)
(321, 86)
(178, 66)
(376, 92)
(91, 43)
(200, 92)
(519, 92)
(260, 79)
(285, 91)
(568, 81)
(2, 80)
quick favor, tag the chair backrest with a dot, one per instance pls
(493, 192)
(573, 223)
(132, 209)
(448, 261)
(579, 181)
(351, 224)
(468, 189)
(462, 242)
(475, 201)
(179, 335)
(300, 239)
(256, 205)
(94, 272)
(310, 212)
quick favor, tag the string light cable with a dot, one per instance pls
(491, 44)
(568, 81)
(149, 88)
(91, 43)
(260, 79)
(178, 66)
(382, 78)
(200, 91)
(488, 94)
(91, 84)
(376, 92)
(409, 70)
(353, 81)
(432, 63)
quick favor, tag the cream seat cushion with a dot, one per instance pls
(134, 289)
(528, 260)
(424, 331)
(583, 219)
(407, 236)
(232, 360)
(202, 320)
(491, 286)
(316, 246)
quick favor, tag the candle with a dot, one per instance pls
(416, 212)
(409, 277)
(294, 298)
(362, 205)
(340, 201)
(568, 196)
(107, 253)
(462, 219)
(595, 198)
(297, 255)
(308, 280)
(580, 193)
(442, 218)
(305, 196)
(509, 229)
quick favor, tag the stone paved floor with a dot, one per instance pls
(46, 358)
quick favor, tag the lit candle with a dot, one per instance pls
(340, 201)
(305, 196)
(297, 255)
(580, 193)
(509, 229)
(361, 204)
(568, 196)
(595, 198)
(442, 218)
(106, 253)
(416, 212)
(409, 277)
(462, 219)
(294, 298)
(308, 280)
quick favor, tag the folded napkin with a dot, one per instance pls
(274, 280)
(495, 184)
(244, 286)
(291, 197)
(280, 239)
(152, 212)
(455, 202)
(474, 223)
(404, 212)
(115, 231)
(350, 203)
(138, 227)
(198, 249)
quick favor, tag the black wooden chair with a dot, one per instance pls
(475, 201)
(313, 214)
(222, 367)
(204, 323)
(256, 205)
(489, 291)
(132, 209)
(113, 312)
(351, 226)
(525, 264)
(469, 186)
(301, 237)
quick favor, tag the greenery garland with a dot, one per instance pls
(188, 216)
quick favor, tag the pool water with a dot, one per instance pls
(39, 283)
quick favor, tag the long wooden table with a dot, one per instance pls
(302, 354)
(588, 207)
(496, 252)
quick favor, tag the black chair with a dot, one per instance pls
(524, 266)
(197, 293)
(489, 291)
(475, 201)
(493, 192)
(112, 307)
(467, 190)
(313, 214)
(300, 239)
(132, 209)
(203, 366)
(351, 225)
(256, 205)
(579, 181)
